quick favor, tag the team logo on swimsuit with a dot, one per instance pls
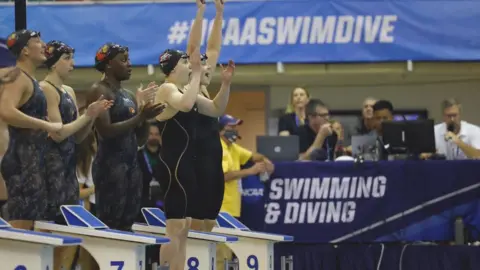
(132, 110)
(11, 40)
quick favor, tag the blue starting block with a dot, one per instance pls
(255, 249)
(22, 249)
(201, 246)
(112, 249)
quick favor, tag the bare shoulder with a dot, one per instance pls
(167, 87)
(49, 91)
(97, 90)
(164, 91)
(47, 88)
(71, 92)
(22, 84)
(69, 89)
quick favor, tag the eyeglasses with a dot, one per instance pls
(321, 114)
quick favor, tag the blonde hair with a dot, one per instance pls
(290, 108)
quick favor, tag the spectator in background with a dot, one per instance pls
(382, 112)
(148, 158)
(454, 138)
(295, 113)
(317, 139)
(234, 156)
(365, 123)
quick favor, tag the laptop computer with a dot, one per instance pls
(362, 144)
(279, 148)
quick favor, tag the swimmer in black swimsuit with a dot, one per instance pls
(23, 107)
(180, 133)
(62, 184)
(209, 174)
(116, 175)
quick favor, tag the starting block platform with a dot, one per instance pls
(29, 250)
(201, 246)
(254, 250)
(112, 249)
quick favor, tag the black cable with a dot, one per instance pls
(20, 15)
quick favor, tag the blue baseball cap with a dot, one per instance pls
(228, 120)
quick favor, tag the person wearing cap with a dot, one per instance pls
(115, 171)
(182, 129)
(176, 170)
(62, 185)
(209, 150)
(234, 157)
(8, 74)
(23, 107)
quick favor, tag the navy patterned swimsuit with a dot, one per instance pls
(23, 166)
(115, 171)
(62, 184)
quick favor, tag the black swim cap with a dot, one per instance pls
(54, 50)
(106, 53)
(169, 59)
(16, 41)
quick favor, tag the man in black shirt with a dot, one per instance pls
(317, 140)
(382, 112)
(148, 159)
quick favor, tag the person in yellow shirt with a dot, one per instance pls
(234, 157)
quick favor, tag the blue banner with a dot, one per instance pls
(253, 201)
(385, 201)
(6, 58)
(269, 31)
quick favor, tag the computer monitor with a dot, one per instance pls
(279, 148)
(421, 136)
(409, 137)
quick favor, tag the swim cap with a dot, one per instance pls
(106, 53)
(169, 59)
(16, 41)
(54, 50)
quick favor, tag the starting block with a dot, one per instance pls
(22, 249)
(201, 246)
(255, 249)
(112, 249)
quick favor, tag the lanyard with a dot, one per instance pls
(149, 166)
(455, 151)
(297, 120)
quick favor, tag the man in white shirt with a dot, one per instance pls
(454, 138)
